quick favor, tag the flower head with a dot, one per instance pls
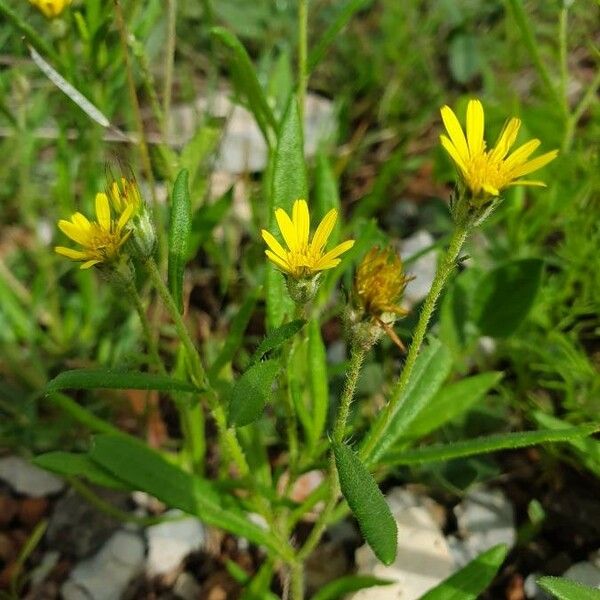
(50, 8)
(487, 172)
(303, 259)
(101, 240)
(380, 282)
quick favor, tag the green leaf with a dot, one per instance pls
(470, 581)
(586, 449)
(431, 369)
(464, 58)
(245, 81)
(367, 504)
(451, 401)
(69, 464)
(206, 219)
(277, 337)
(289, 183)
(491, 443)
(251, 392)
(348, 584)
(81, 414)
(236, 334)
(90, 379)
(146, 470)
(318, 380)
(179, 236)
(505, 296)
(565, 589)
(343, 17)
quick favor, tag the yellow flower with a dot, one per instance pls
(50, 8)
(380, 282)
(486, 173)
(101, 239)
(303, 258)
(123, 193)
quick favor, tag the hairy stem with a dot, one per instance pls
(445, 267)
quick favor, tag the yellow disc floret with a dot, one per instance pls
(50, 8)
(303, 258)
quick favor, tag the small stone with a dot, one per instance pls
(485, 519)
(186, 587)
(585, 573)
(27, 479)
(78, 529)
(532, 589)
(423, 269)
(423, 559)
(32, 510)
(105, 575)
(170, 542)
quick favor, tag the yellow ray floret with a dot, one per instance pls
(50, 8)
(487, 172)
(124, 192)
(101, 240)
(303, 258)
(380, 282)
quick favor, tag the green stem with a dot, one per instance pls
(575, 117)
(297, 581)
(445, 267)
(169, 62)
(197, 371)
(357, 356)
(562, 45)
(532, 47)
(302, 55)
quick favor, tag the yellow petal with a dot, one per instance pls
(70, 253)
(273, 244)
(521, 154)
(77, 234)
(323, 232)
(455, 132)
(528, 182)
(453, 152)
(103, 211)
(535, 164)
(339, 249)
(475, 124)
(490, 189)
(330, 264)
(282, 264)
(287, 229)
(125, 216)
(301, 220)
(81, 221)
(506, 139)
(89, 263)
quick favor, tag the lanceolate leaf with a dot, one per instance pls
(431, 369)
(318, 379)
(70, 464)
(367, 504)
(180, 228)
(89, 379)
(289, 183)
(470, 581)
(277, 337)
(484, 445)
(563, 589)
(505, 296)
(251, 392)
(146, 470)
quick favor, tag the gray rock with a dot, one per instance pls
(27, 479)
(186, 587)
(585, 573)
(77, 528)
(423, 558)
(532, 589)
(485, 518)
(423, 269)
(105, 575)
(170, 542)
